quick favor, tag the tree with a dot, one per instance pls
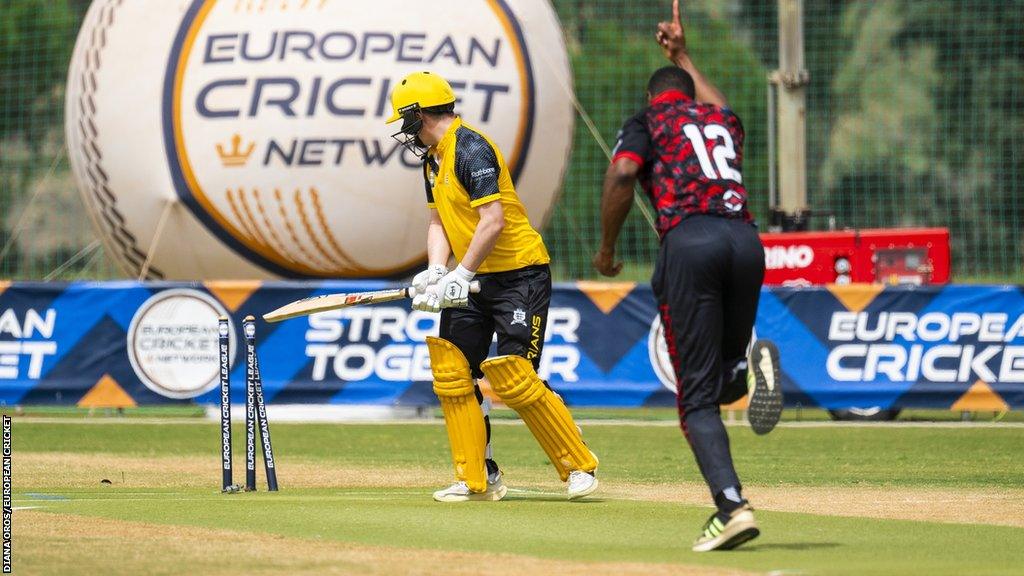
(36, 40)
(926, 125)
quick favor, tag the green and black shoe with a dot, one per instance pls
(719, 535)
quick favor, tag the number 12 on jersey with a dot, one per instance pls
(722, 153)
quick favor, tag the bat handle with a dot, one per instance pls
(474, 287)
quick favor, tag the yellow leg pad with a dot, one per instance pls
(453, 384)
(513, 379)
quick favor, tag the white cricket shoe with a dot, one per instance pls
(495, 485)
(581, 484)
(459, 492)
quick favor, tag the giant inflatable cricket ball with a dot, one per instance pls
(246, 138)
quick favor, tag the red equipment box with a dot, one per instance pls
(880, 256)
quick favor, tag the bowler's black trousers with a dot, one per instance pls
(708, 280)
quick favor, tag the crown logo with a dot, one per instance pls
(236, 156)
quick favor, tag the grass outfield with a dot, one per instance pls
(355, 499)
(643, 414)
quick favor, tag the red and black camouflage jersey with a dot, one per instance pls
(690, 156)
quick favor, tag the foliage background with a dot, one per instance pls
(915, 117)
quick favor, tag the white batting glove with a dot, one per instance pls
(428, 277)
(428, 301)
(454, 287)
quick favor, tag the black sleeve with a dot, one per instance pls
(633, 141)
(476, 167)
(426, 181)
(735, 126)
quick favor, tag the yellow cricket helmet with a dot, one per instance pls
(419, 90)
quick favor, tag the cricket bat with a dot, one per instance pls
(324, 302)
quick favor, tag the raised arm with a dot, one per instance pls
(672, 39)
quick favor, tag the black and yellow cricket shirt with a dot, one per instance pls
(466, 170)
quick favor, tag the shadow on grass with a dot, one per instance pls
(791, 546)
(549, 498)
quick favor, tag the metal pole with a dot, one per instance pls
(792, 80)
(773, 198)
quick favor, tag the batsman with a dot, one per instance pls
(476, 214)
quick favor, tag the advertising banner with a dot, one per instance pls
(130, 343)
(959, 347)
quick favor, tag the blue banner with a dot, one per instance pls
(129, 343)
(959, 347)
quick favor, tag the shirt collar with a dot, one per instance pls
(670, 96)
(449, 136)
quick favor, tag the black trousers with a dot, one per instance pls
(708, 280)
(514, 304)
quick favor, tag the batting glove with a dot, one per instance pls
(428, 301)
(454, 287)
(428, 277)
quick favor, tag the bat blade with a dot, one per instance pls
(325, 302)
